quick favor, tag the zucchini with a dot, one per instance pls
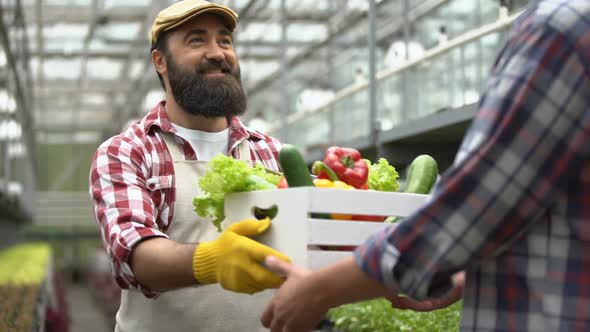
(294, 167)
(422, 175)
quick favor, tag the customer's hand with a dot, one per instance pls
(456, 293)
(293, 299)
(236, 261)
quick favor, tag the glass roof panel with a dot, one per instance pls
(120, 31)
(10, 129)
(272, 32)
(69, 2)
(65, 46)
(101, 45)
(7, 102)
(253, 71)
(31, 30)
(307, 32)
(152, 98)
(2, 58)
(104, 68)
(94, 99)
(262, 50)
(302, 5)
(68, 138)
(108, 4)
(58, 117)
(234, 4)
(62, 68)
(68, 31)
(137, 68)
(34, 67)
(33, 46)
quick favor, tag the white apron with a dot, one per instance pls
(201, 308)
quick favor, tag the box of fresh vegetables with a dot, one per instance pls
(316, 218)
(306, 225)
(316, 221)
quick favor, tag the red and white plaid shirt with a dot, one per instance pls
(132, 184)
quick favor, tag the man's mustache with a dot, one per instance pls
(222, 66)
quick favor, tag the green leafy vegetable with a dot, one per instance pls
(378, 316)
(382, 176)
(226, 175)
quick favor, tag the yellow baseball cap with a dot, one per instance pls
(182, 11)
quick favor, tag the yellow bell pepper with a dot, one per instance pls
(325, 183)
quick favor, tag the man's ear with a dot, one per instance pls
(159, 61)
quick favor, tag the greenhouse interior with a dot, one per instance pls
(392, 79)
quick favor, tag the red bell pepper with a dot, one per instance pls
(348, 165)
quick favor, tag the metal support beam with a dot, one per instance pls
(244, 14)
(284, 71)
(65, 87)
(54, 14)
(6, 167)
(40, 48)
(23, 113)
(137, 54)
(140, 86)
(373, 121)
(405, 98)
(246, 10)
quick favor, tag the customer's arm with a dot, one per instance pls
(529, 136)
(530, 132)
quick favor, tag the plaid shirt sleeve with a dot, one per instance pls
(531, 130)
(124, 208)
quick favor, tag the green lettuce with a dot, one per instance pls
(379, 316)
(225, 175)
(382, 176)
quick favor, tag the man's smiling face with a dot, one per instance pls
(202, 69)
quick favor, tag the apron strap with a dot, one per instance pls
(173, 146)
(244, 152)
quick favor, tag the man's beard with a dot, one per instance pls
(211, 97)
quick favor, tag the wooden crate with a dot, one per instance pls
(297, 232)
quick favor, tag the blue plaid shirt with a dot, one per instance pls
(514, 210)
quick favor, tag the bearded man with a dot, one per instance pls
(176, 271)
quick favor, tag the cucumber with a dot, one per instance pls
(422, 175)
(294, 167)
(296, 172)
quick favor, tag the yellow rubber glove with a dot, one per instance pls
(235, 261)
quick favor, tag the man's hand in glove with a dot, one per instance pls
(235, 261)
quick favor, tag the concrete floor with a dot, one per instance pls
(85, 314)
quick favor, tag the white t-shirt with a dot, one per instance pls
(206, 145)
